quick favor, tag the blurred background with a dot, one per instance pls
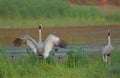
(51, 13)
(76, 21)
(96, 2)
(82, 23)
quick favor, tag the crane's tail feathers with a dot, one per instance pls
(18, 42)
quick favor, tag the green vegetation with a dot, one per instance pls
(29, 13)
(78, 65)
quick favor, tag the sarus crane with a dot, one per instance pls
(41, 49)
(107, 49)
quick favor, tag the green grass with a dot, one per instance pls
(78, 65)
(55, 22)
(21, 13)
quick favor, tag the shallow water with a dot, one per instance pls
(15, 52)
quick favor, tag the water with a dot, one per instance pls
(19, 52)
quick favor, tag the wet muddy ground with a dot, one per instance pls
(73, 35)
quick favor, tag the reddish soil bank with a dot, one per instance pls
(96, 2)
(87, 34)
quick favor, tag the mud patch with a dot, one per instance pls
(73, 35)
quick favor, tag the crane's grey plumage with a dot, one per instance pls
(107, 49)
(44, 50)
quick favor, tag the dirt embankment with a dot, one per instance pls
(96, 2)
(71, 34)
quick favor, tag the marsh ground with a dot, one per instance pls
(76, 35)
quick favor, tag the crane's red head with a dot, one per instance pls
(40, 27)
(108, 32)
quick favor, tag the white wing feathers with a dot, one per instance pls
(32, 44)
(48, 45)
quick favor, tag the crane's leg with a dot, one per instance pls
(104, 58)
(38, 59)
(44, 61)
(109, 61)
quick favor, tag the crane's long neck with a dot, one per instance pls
(109, 38)
(40, 37)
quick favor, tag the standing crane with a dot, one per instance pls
(107, 49)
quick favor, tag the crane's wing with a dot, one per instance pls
(47, 45)
(52, 41)
(26, 40)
